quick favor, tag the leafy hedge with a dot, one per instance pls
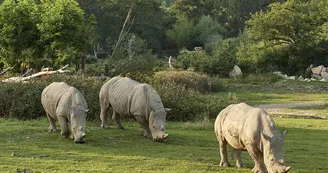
(189, 79)
(23, 100)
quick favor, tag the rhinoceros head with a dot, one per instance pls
(78, 118)
(273, 157)
(157, 124)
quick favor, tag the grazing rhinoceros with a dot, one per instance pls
(67, 105)
(251, 129)
(131, 98)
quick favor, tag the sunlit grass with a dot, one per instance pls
(189, 148)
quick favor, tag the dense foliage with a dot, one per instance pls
(257, 35)
(38, 33)
(288, 37)
(23, 100)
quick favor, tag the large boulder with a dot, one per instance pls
(324, 75)
(235, 72)
(317, 70)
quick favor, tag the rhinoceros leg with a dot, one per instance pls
(64, 126)
(223, 152)
(117, 119)
(145, 125)
(104, 115)
(236, 154)
(257, 156)
(52, 126)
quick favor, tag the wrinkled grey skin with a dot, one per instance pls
(251, 129)
(67, 105)
(131, 98)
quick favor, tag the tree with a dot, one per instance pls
(61, 29)
(19, 35)
(182, 33)
(33, 29)
(293, 33)
(148, 21)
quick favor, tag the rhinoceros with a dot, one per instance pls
(251, 129)
(128, 97)
(66, 104)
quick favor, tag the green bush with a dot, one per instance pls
(189, 105)
(189, 79)
(23, 100)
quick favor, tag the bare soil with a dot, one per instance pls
(283, 110)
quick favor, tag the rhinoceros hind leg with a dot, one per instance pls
(236, 154)
(257, 156)
(104, 116)
(223, 152)
(64, 126)
(117, 119)
(52, 126)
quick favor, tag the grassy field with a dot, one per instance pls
(191, 147)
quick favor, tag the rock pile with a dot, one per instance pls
(319, 73)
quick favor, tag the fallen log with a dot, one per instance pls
(22, 79)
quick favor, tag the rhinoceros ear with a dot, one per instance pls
(266, 136)
(284, 133)
(167, 110)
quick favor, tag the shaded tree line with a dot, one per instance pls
(258, 35)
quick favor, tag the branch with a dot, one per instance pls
(21, 79)
(5, 71)
(287, 40)
(28, 72)
(125, 30)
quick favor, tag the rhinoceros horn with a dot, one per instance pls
(287, 169)
(165, 136)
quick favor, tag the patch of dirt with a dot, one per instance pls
(279, 110)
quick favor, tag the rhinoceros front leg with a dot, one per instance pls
(52, 126)
(117, 119)
(104, 115)
(145, 125)
(223, 152)
(257, 156)
(236, 154)
(64, 126)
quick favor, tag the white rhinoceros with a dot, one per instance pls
(131, 98)
(67, 105)
(251, 129)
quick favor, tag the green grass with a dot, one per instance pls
(189, 148)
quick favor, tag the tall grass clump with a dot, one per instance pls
(189, 79)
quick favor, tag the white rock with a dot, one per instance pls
(317, 70)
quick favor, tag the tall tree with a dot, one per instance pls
(290, 34)
(61, 29)
(19, 34)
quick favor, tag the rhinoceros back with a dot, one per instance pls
(61, 94)
(240, 123)
(129, 97)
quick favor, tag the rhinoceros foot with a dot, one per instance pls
(50, 130)
(104, 126)
(257, 169)
(224, 164)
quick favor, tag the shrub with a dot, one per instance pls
(189, 79)
(23, 100)
(189, 105)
